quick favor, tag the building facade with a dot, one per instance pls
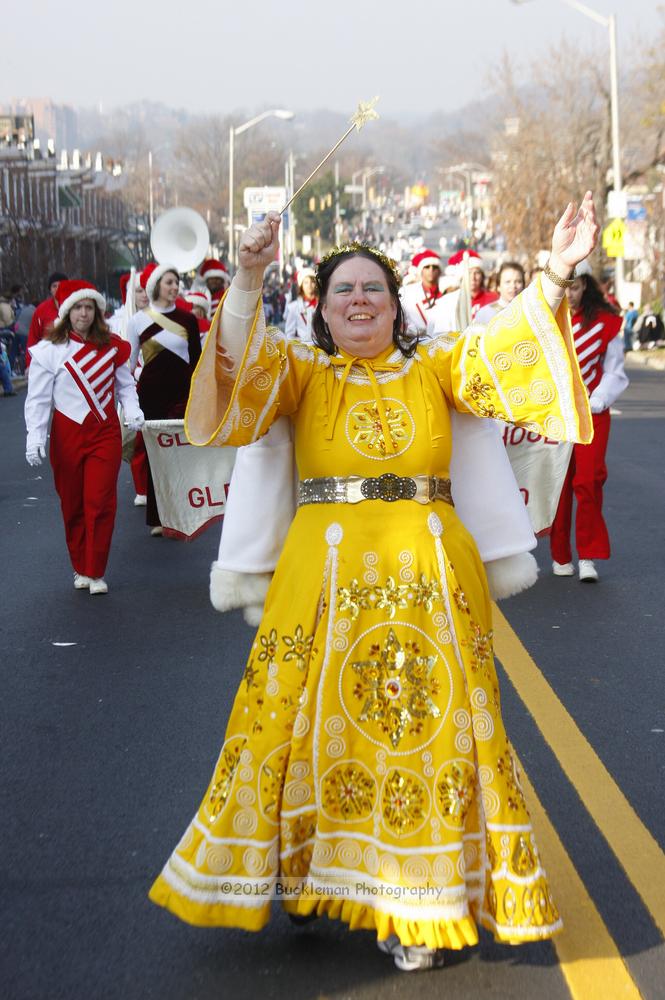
(68, 215)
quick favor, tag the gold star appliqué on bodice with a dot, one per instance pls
(366, 430)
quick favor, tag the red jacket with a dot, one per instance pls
(483, 298)
(591, 344)
(43, 317)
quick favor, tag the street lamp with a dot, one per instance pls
(233, 132)
(467, 170)
(609, 22)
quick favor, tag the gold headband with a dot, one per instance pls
(355, 247)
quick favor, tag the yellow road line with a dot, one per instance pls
(588, 957)
(636, 850)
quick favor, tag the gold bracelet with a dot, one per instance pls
(556, 278)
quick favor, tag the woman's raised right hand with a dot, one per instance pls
(259, 245)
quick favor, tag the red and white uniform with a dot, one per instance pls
(298, 318)
(425, 308)
(80, 381)
(599, 348)
(211, 268)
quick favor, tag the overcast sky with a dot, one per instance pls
(221, 56)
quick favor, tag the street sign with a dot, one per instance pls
(353, 189)
(613, 237)
(264, 199)
(637, 210)
(617, 204)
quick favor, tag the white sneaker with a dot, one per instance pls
(412, 958)
(587, 571)
(81, 582)
(563, 569)
(156, 531)
(140, 500)
(99, 586)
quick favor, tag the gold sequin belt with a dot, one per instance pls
(388, 487)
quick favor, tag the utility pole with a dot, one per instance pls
(338, 218)
(151, 212)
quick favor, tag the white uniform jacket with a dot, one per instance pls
(298, 320)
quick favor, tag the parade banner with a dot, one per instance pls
(190, 483)
(540, 466)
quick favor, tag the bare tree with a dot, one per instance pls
(555, 143)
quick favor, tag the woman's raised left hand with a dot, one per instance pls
(575, 234)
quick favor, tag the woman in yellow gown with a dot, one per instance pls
(365, 772)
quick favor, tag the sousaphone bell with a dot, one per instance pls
(180, 237)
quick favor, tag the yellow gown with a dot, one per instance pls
(365, 762)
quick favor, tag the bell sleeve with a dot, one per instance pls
(236, 404)
(522, 368)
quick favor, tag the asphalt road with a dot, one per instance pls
(108, 744)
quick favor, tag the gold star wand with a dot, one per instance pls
(364, 113)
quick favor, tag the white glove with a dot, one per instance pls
(597, 404)
(35, 454)
(136, 422)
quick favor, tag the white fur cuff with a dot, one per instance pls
(230, 590)
(511, 575)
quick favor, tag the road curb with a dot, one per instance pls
(19, 382)
(643, 359)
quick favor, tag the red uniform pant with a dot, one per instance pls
(139, 465)
(585, 479)
(86, 461)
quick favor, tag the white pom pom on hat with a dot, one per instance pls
(583, 268)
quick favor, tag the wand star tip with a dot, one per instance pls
(365, 112)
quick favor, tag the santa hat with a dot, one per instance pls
(151, 274)
(124, 280)
(583, 269)
(425, 258)
(212, 268)
(71, 292)
(199, 298)
(475, 260)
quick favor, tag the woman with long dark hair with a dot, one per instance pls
(80, 371)
(599, 347)
(366, 773)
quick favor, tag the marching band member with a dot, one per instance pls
(480, 296)
(424, 300)
(117, 323)
(45, 315)
(446, 318)
(199, 301)
(168, 339)
(214, 276)
(299, 312)
(599, 346)
(511, 282)
(134, 299)
(77, 369)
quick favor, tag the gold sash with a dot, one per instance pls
(151, 348)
